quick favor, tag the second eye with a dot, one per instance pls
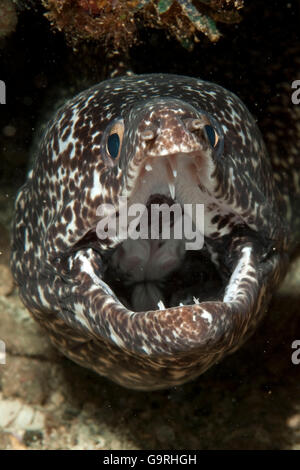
(114, 140)
(113, 145)
(212, 135)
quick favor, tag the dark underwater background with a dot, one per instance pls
(249, 401)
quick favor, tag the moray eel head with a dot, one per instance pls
(151, 311)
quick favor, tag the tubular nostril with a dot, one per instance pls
(193, 124)
(196, 124)
(150, 133)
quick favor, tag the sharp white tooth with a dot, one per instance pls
(196, 300)
(172, 190)
(161, 305)
(148, 167)
(181, 304)
(173, 166)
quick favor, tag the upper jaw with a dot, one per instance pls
(170, 128)
(163, 175)
(184, 178)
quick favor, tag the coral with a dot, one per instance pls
(8, 18)
(111, 22)
(184, 18)
(115, 22)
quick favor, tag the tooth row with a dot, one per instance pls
(161, 305)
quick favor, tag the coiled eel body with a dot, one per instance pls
(145, 313)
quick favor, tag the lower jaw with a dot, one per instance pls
(159, 348)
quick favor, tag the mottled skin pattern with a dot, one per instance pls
(248, 218)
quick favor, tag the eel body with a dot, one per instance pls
(150, 314)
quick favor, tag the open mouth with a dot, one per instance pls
(160, 273)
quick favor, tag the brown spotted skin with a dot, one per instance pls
(61, 279)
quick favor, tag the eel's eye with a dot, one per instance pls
(114, 140)
(212, 135)
(113, 145)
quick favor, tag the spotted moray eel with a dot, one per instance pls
(147, 314)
